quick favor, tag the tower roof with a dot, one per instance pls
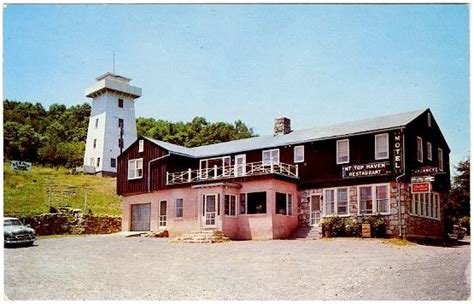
(110, 82)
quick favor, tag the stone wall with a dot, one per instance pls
(73, 222)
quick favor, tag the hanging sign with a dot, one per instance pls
(397, 152)
(365, 170)
(420, 187)
(425, 171)
(421, 179)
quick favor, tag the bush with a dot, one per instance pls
(53, 210)
(352, 226)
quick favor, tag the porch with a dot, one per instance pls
(227, 172)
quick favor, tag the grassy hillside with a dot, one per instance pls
(26, 193)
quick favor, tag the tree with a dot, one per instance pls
(460, 191)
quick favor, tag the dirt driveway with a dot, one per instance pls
(117, 268)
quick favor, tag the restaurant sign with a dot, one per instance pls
(420, 187)
(365, 170)
(425, 171)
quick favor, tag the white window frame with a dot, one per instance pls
(419, 149)
(429, 119)
(428, 207)
(337, 151)
(336, 202)
(373, 194)
(135, 168)
(141, 145)
(440, 160)
(429, 151)
(376, 147)
(270, 160)
(179, 208)
(298, 154)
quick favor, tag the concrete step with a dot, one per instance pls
(308, 233)
(204, 236)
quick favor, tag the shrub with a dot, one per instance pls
(353, 226)
(377, 226)
(333, 227)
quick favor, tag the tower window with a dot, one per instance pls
(113, 162)
(98, 161)
(96, 123)
(95, 143)
(120, 143)
(120, 123)
(120, 103)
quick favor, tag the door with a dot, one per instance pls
(315, 210)
(239, 167)
(210, 210)
(162, 222)
(140, 217)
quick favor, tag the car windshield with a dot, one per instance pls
(12, 223)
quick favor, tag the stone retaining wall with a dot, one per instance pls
(73, 223)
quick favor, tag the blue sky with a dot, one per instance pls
(317, 64)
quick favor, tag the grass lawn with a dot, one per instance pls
(26, 193)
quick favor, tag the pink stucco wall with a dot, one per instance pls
(241, 226)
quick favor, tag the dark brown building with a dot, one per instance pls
(394, 166)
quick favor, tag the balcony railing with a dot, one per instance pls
(224, 172)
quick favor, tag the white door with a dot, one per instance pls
(315, 210)
(239, 167)
(210, 210)
(162, 222)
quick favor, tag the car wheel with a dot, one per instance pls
(30, 243)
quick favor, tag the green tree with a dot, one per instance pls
(460, 190)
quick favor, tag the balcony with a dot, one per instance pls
(226, 172)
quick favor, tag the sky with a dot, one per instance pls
(316, 64)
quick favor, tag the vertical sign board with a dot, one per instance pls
(397, 152)
(366, 230)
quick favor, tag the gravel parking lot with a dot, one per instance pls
(112, 267)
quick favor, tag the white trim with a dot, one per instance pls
(160, 220)
(141, 145)
(429, 151)
(265, 163)
(418, 146)
(337, 151)
(375, 146)
(440, 160)
(373, 193)
(311, 209)
(295, 149)
(205, 211)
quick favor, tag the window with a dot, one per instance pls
(91, 162)
(230, 207)
(298, 154)
(162, 220)
(440, 159)
(270, 157)
(374, 199)
(283, 204)
(120, 103)
(336, 201)
(98, 161)
(94, 144)
(120, 123)
(120, 142)
(135, 168)
(365, 200)
(113, 162)
(140, 145)
(381, 146)
(429, 151)
(179, 207)
(429, 119)
(96, 123)
(214, 167)
(425, 205)
(342, 151)
(419, 149)
(253, 203)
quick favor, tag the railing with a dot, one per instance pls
(223, 172)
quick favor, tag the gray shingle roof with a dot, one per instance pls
(295, 137)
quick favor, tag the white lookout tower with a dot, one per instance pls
(112, 126)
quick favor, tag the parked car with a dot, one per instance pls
(14, 232)
(458, 232)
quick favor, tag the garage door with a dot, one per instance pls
(141, 217)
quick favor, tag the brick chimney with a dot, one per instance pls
(282, 126)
